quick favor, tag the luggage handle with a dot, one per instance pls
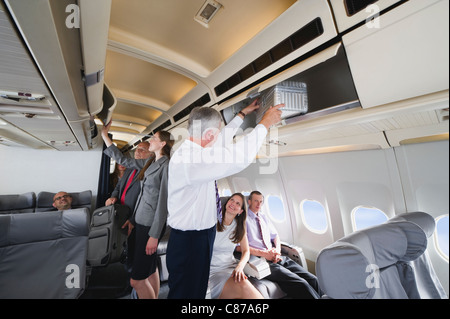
(101, 217)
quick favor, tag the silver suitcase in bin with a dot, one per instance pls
(292, 93)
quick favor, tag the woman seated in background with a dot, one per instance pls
(227, 279)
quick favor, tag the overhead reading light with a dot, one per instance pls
(207, 12)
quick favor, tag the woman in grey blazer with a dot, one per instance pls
(150, 214)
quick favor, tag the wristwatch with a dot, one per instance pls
(242, 113)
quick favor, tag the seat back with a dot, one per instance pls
(161, 253)
(79, 200)
(426, 284)
(43, 255)
(363, 265)
(16, 204)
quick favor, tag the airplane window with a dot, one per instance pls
(363, 217)
(226, 192)
(314, 216)
(276, 208)
(441, 235)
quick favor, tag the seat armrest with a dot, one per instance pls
(295, 253)
(257, 267)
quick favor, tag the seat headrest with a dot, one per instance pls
(34, 227)
(343, 268)
(423, 220)
(388, 243)
(79, 200)
(17, 203)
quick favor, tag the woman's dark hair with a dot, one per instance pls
(164, 136)
(239, 232)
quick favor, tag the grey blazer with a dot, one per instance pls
(151, 206)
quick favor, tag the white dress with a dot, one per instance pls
(223, 262)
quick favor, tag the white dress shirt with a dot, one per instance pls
(260, 238)
(193, 170)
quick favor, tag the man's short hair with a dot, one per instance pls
(202, 119)
(255, 193)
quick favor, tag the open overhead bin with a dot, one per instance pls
(65, 41)
(326, 85)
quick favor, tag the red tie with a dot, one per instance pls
(130, 179)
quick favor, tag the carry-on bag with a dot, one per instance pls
(107, 239)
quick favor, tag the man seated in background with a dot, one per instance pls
(62, 201)
(264, 241)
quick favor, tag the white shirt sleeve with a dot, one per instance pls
(228, 132)
(219, 161)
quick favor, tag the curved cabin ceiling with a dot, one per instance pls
(157, 53)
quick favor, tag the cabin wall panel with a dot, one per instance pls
(347, 179)
(256, 178)
(27, 170)
(340, 181)
(424, 171)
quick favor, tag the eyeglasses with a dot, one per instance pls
(61, 197)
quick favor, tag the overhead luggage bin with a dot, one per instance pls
(94, 40)
(67, 41)
(349, 13)
(326, 71)
(306, 25)
(406, 56)
(30, 116)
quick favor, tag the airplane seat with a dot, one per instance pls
(267, 288)
(363, 265)
(426, 284)
(161, 252)
(224, 199)
(43, 255)
(79, 200)
(17, 203)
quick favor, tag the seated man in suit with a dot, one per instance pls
(62, 201)
(264, 241)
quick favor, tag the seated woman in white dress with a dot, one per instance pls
(227, 279)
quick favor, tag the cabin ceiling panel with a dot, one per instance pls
(137, 78)
(152, 26)
(134, 113)
(122, 138)
(129, 120)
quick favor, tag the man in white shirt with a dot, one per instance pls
(206, 156)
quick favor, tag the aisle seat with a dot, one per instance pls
(43, 255)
